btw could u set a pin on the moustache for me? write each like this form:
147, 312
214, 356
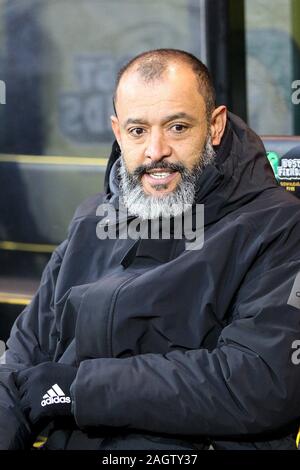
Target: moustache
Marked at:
140, 170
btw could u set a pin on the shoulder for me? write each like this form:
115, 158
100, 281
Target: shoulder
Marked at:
88, 207
275, 207
86, 213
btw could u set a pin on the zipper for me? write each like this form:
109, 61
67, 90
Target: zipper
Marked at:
111, 313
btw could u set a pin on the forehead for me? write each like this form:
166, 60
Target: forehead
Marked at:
176, 90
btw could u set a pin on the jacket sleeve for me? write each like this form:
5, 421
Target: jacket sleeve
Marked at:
247, 384
31, 342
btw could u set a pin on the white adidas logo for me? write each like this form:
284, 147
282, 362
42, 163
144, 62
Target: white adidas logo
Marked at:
55, 395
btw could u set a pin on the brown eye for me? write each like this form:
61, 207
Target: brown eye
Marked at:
178, 128
137, 131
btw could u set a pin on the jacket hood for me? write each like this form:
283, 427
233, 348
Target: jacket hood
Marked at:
241, 171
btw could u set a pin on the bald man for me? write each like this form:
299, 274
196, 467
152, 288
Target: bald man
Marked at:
135, 341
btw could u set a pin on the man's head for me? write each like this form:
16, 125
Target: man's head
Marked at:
166, 125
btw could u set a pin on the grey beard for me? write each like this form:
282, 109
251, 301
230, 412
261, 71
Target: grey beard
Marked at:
146, 206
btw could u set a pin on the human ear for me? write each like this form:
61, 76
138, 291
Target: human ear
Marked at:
218, 124
116, 128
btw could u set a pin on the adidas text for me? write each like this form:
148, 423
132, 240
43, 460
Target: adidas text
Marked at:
52, 401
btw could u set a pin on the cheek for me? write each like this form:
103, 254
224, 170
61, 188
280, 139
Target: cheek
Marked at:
189, 153
132, 156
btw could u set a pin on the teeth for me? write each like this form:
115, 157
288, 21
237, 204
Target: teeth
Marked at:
159, 175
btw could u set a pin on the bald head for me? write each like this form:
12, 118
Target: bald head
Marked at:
154, 65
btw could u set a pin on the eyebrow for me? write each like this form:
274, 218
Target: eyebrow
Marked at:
169, 118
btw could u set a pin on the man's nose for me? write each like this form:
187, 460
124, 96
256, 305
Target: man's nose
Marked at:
157, 146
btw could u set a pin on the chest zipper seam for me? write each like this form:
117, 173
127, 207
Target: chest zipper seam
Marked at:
110, 316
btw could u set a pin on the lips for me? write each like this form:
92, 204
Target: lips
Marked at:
160, 176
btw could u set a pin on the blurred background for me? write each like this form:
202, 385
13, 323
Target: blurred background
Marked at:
58, 62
